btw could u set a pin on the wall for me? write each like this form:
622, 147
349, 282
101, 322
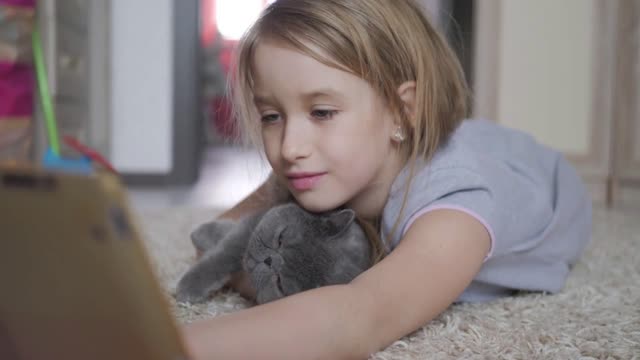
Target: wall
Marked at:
548, 68
545, 72
142, 85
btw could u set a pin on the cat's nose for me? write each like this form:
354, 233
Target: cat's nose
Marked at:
268, 261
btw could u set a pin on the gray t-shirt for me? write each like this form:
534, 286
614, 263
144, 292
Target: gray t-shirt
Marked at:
531, 200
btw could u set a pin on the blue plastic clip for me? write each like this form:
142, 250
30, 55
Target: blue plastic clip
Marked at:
80, 165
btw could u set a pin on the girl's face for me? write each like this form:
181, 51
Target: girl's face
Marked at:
326, 132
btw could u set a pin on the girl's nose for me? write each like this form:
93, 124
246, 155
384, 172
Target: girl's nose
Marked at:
296, 143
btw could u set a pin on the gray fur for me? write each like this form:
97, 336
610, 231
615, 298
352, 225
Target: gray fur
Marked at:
284, 250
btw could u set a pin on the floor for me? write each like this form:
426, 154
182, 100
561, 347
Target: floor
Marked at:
228, 174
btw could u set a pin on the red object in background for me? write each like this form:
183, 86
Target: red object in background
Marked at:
220, 108
88, 152
208, 21
16, 71
223, 118
16, 87
19, 3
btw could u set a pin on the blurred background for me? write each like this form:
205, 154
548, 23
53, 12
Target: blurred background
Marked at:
144, 82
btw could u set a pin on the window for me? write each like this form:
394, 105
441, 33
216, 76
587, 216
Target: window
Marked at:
229, 18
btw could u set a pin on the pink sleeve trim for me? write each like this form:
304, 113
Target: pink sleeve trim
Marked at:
427, 209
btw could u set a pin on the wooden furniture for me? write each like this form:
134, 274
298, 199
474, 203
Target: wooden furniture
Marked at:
567, 72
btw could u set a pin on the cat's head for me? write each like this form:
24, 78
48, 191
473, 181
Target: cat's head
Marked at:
292, 250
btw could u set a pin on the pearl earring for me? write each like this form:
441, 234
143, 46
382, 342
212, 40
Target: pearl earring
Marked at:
398, 135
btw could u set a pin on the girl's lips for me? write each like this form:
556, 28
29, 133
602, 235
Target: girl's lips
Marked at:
302, 182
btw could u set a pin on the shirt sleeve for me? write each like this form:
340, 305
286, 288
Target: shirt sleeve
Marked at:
454, 188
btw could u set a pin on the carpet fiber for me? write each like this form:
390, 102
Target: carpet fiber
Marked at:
596, 316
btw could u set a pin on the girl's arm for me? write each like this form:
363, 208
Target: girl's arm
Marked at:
437, 258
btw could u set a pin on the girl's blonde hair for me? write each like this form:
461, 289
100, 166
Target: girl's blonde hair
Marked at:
384, 42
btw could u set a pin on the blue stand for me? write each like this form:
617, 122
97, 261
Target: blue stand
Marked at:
81, 165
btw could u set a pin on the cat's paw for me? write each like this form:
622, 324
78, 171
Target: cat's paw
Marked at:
194, 288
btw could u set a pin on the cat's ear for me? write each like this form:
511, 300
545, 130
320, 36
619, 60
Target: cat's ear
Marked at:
341, 219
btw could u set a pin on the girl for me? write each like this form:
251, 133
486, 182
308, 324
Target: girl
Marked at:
360, 103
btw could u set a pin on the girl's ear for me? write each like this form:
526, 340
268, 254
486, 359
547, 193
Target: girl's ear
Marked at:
407, 93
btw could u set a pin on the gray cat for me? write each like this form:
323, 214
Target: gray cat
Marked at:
284, 250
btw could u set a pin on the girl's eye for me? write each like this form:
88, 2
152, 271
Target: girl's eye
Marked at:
269, 118
323, 114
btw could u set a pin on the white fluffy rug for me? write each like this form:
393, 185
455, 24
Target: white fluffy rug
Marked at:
597, 316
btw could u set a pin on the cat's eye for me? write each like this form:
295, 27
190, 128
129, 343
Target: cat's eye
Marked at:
280, 235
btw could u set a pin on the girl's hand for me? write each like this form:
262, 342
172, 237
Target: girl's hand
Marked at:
193, 342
